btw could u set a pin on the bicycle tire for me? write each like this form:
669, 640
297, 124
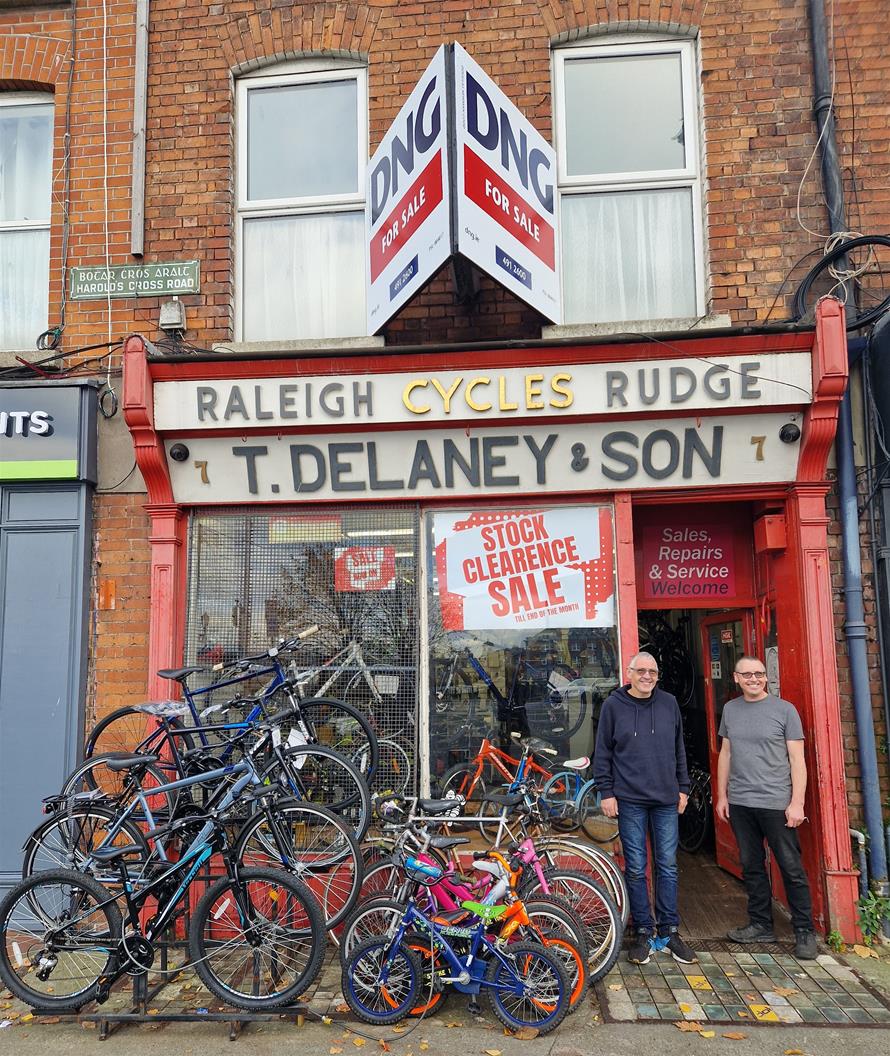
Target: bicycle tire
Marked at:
802, 308
394, 773
594, 861
553, 1003
123, 724
93, 776
459, 780
556, 720
559, 794
371, 920
371, 1002
352, 735
66, 839
218, 910
19, 939
333, 782
696, 820
322, 852
593, 822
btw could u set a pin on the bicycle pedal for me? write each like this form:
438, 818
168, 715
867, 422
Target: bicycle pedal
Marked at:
474, 1008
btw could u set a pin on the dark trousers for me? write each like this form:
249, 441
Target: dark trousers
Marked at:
751, 826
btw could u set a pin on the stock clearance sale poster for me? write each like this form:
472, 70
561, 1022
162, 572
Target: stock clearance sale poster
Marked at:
528, 569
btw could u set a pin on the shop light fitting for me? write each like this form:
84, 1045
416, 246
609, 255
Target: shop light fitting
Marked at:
371, 532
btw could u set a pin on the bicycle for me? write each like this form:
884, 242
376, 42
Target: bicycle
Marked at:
318, 719
579, 803
670, 648
255, 937
525, 983
697, 819
536, 700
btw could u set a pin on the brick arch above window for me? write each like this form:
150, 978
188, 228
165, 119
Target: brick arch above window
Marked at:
566, 20
345, 30
32, 63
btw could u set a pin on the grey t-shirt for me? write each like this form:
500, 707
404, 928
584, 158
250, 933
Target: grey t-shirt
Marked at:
759, 768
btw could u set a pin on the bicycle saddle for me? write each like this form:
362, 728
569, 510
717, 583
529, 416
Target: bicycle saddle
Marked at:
440, 806
127, 762
177, 674
111, 853
581, 763
442, 843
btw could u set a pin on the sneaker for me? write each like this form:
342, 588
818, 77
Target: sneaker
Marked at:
679, 950
805, 948
639, 950
752, 933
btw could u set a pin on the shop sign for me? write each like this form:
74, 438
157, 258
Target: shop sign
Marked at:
691, 560
408, 215
571, 457
361, 568
47, 432
484, 394
171, 278
506, 177
529, 569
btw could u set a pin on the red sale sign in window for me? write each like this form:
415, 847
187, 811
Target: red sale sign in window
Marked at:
364, 568
534, 568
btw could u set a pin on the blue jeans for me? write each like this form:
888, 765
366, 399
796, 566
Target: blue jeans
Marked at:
661, 823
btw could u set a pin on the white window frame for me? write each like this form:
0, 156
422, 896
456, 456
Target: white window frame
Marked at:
688, 177
11, 99
297, 73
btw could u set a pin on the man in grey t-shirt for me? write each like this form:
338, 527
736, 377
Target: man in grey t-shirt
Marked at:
761, 781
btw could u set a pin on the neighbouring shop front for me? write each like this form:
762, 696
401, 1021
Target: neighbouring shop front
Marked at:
47, 475
483, 538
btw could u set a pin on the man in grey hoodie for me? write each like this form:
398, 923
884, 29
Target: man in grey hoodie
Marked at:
640, 771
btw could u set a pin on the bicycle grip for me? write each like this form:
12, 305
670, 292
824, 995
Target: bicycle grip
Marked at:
309, 631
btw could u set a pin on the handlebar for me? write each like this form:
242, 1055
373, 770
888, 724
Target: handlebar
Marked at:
284, 645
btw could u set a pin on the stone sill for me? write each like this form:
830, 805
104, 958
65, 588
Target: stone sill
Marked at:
638, 326
312, 347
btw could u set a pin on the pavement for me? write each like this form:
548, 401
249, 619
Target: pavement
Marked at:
327, 1030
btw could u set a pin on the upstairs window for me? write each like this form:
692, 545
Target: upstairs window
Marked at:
302, 155
629, 180
26, 147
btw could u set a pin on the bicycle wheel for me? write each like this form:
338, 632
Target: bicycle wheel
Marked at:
257, 942
527, 987
593, 862
93, 775
597, 911
431, 999
372, 919
559, 795
394, 771
320, 775
340, 726
696, 820
314, 844
67, 839
461, 780
594, 824
556, 715
381, 987
60, 933
124, 730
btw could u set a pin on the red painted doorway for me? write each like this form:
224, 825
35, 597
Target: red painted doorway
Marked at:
724, 638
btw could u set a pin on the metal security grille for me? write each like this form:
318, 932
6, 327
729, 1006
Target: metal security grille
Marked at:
256, 576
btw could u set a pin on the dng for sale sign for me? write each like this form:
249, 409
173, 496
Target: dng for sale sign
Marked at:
505, 178
408, 211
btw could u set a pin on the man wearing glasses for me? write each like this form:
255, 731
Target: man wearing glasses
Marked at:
761, 780
640, 771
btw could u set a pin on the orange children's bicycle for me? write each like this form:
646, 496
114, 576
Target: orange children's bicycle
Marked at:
472, 779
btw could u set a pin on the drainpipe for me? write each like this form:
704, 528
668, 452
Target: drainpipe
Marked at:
854, 627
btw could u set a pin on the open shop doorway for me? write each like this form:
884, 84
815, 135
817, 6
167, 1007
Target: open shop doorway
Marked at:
696, 651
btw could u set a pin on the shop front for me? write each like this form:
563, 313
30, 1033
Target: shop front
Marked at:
484, 536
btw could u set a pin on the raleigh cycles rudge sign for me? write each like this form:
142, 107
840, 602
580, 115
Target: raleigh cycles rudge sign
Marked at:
135, 280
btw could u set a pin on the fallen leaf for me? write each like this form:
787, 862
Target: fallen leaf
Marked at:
743, 1015
451, 1026
342, 1007
734, 1035
358, 1042
794, 1052
684, 1008
863, 951
785, 991
706, 1033
688, 1026
50, 1019
399, 1028
730, 975
749, 997
615, 986
383, 1045
153, 1011
335, 1050
423, 1046
29, 1015
526, 1033
492, 1052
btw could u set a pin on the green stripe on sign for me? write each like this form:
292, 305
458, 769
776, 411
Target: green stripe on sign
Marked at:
40, 469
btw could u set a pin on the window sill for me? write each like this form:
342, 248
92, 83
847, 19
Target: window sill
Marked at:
715, 321
311, 347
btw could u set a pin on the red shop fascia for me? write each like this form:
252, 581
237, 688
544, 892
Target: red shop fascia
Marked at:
737, 438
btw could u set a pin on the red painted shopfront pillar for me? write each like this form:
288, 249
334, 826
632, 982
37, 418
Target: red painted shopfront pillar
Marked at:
168, 521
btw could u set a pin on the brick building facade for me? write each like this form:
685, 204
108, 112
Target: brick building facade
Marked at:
756, 193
